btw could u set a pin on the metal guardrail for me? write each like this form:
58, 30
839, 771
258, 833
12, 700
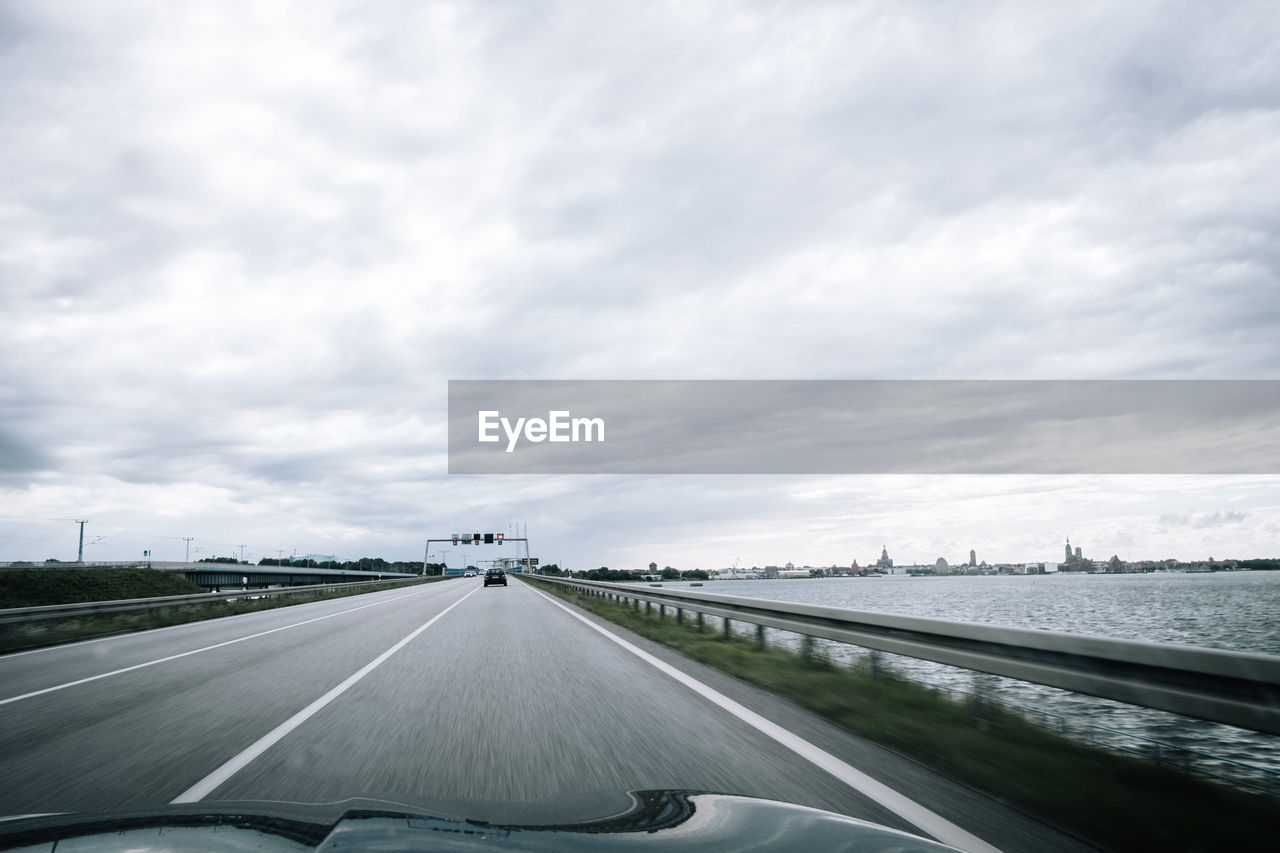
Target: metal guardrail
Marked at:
213, 568
15, 615
1236, 688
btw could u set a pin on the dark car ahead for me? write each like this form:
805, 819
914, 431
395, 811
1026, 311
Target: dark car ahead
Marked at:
493, 576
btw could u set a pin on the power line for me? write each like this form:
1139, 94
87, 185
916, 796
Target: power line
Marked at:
33, 518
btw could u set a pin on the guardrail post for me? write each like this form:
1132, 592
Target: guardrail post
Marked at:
985, 686
875, 661
807, 648
648, 608
760, 637
662, 612
727, 632
701, 624
679, 615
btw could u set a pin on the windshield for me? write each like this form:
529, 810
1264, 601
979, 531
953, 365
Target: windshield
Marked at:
462, 300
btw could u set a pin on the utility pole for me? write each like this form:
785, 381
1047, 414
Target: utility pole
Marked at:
188, 539
242, 553
82, 522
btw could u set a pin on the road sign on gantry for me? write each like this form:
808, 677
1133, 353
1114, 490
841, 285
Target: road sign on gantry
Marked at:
479, 538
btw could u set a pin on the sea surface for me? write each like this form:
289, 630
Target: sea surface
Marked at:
1222, 610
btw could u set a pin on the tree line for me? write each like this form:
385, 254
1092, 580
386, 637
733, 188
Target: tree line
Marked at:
364, 564
604, 573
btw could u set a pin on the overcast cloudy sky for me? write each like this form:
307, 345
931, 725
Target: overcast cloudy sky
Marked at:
244, 247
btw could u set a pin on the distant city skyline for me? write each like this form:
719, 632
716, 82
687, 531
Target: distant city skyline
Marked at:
886, 560
104, 540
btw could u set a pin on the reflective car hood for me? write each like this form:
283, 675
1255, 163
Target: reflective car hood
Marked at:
654, 820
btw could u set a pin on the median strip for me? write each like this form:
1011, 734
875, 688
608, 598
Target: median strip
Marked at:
168, 658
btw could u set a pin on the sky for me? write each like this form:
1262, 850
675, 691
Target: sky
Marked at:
244, 248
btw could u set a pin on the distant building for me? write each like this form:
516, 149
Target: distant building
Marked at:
653, 568
884, 562
1074, 560
973, 558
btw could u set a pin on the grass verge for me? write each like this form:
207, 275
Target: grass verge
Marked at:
20, 636
1113, 801
42, 587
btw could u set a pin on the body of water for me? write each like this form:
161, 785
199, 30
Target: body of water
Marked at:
1223, 610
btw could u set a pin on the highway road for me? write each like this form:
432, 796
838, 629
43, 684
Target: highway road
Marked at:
501, 699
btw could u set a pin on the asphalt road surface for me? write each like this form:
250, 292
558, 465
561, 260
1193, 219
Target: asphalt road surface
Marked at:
484, 696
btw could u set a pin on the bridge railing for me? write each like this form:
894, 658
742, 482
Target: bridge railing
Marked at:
1232, 687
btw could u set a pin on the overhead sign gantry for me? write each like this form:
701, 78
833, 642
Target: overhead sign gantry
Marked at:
521, 543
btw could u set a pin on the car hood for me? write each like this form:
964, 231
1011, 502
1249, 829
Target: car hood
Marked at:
651, 820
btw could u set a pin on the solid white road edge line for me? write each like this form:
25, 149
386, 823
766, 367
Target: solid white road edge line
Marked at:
928, 821
146, 664
205, 786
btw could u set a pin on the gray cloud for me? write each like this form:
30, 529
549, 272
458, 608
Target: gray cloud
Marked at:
19, 458
242, 254
1218, 518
